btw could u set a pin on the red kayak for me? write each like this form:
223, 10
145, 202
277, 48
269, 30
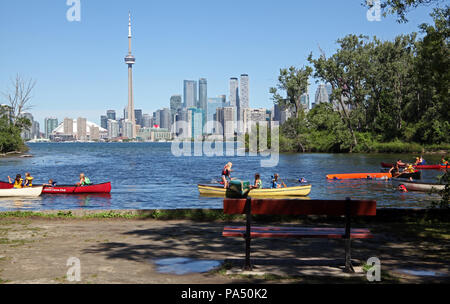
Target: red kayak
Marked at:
431, 167
69, 189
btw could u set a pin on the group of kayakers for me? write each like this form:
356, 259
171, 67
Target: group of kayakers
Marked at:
276, 181
19, 182
395, 170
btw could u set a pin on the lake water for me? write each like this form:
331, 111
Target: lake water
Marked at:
149, 176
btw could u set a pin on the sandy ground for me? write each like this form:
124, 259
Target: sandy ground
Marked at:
125, 250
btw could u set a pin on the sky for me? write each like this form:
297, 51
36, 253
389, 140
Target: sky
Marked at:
79, 66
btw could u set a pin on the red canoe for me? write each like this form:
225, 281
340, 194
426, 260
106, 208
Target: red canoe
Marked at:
432, 167
69, 189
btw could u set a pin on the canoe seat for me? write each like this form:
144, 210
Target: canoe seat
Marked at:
251, 206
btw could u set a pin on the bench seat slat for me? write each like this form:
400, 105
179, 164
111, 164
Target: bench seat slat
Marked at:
295, 232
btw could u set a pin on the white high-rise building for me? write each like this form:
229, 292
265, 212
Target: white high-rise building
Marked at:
113, 128
243, 101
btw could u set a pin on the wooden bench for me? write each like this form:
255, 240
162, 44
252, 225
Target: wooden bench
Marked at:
348, 208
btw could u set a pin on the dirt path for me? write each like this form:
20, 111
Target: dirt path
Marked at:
124, 251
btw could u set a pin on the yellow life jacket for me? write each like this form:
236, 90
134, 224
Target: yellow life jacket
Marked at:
30, 181
18, 184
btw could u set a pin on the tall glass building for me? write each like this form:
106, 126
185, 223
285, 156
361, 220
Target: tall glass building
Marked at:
190, 94
51, 123
111, 114
213, 105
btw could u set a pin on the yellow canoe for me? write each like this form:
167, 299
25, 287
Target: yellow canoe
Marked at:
220, 191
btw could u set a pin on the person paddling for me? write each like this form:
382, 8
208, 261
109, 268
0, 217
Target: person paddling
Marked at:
258, 182
395, 171
84, 180
28, 180
277, 183
226, 174
51, 183
18, 182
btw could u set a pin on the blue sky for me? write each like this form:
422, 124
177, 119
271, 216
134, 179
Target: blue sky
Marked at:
79, 66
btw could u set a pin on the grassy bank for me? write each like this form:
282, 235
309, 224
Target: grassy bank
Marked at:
383, 215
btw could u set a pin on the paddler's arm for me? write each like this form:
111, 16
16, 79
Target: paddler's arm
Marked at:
9, 178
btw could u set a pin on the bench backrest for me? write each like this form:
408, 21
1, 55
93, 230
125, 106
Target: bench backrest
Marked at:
301, 207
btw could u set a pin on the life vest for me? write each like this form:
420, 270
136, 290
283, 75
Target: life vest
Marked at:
18, 184
259, 184
86, 181
402, 188
226, 172
29, 181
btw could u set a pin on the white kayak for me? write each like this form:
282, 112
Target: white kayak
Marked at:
22, 192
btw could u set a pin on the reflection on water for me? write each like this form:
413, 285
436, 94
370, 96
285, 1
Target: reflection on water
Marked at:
148, 176
182, 266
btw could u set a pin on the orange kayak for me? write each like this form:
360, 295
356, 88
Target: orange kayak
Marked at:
359, 175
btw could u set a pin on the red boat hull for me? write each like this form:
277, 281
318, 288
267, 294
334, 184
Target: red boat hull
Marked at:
100, 188
4, 185
431, 167
63, 189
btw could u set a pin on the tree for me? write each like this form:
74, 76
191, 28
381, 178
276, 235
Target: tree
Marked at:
346, 72
401, 7
294, 82
18, 96
12, 122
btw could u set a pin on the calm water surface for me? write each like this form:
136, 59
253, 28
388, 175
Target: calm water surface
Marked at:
148, 176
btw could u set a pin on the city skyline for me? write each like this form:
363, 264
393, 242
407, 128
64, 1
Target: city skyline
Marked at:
65, 89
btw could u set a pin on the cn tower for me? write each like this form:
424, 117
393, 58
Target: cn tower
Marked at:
130, 60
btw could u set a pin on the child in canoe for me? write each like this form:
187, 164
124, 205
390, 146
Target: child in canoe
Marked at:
258, 182
84, 180
277, 182
28, 180
18, 181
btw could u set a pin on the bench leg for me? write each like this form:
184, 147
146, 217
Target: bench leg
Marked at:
348, 257
247, 265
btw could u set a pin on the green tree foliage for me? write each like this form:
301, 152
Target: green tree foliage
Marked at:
382, 92
294, 83
10, 139
401, 7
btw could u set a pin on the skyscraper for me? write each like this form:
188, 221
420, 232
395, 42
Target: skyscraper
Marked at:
243, 100
234, 92
81, 128
111, 114
190, 93
225, 117
113, 128
130, 60
68, 126
321, 95
175, 104
51, 123
165, 121
138, 117
104, 121
203, 97
213, 105
304, 101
